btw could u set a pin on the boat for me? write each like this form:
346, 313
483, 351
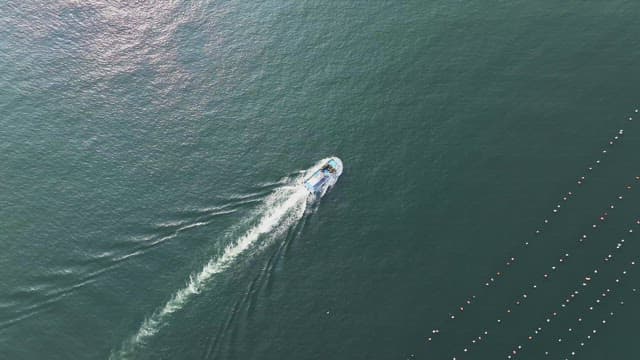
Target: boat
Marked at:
323, 176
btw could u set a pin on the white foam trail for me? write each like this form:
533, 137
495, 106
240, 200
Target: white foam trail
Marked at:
280, 210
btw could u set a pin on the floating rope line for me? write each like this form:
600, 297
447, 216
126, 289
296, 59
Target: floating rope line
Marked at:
520, 301
546, 277
599, 325
538, 232
605, 294
511, 260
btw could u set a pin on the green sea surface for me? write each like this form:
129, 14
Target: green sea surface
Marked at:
150, 156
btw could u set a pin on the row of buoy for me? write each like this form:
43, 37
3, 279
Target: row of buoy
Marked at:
583, 341
584, 282
556, 210
546, 276
511, 260
602, 218
604, 294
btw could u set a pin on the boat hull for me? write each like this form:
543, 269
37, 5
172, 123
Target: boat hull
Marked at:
323, 176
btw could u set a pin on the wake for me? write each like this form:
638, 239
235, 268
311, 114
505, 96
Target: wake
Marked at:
282, 209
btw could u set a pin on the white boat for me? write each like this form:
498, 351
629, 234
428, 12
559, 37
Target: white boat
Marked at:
323, 176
